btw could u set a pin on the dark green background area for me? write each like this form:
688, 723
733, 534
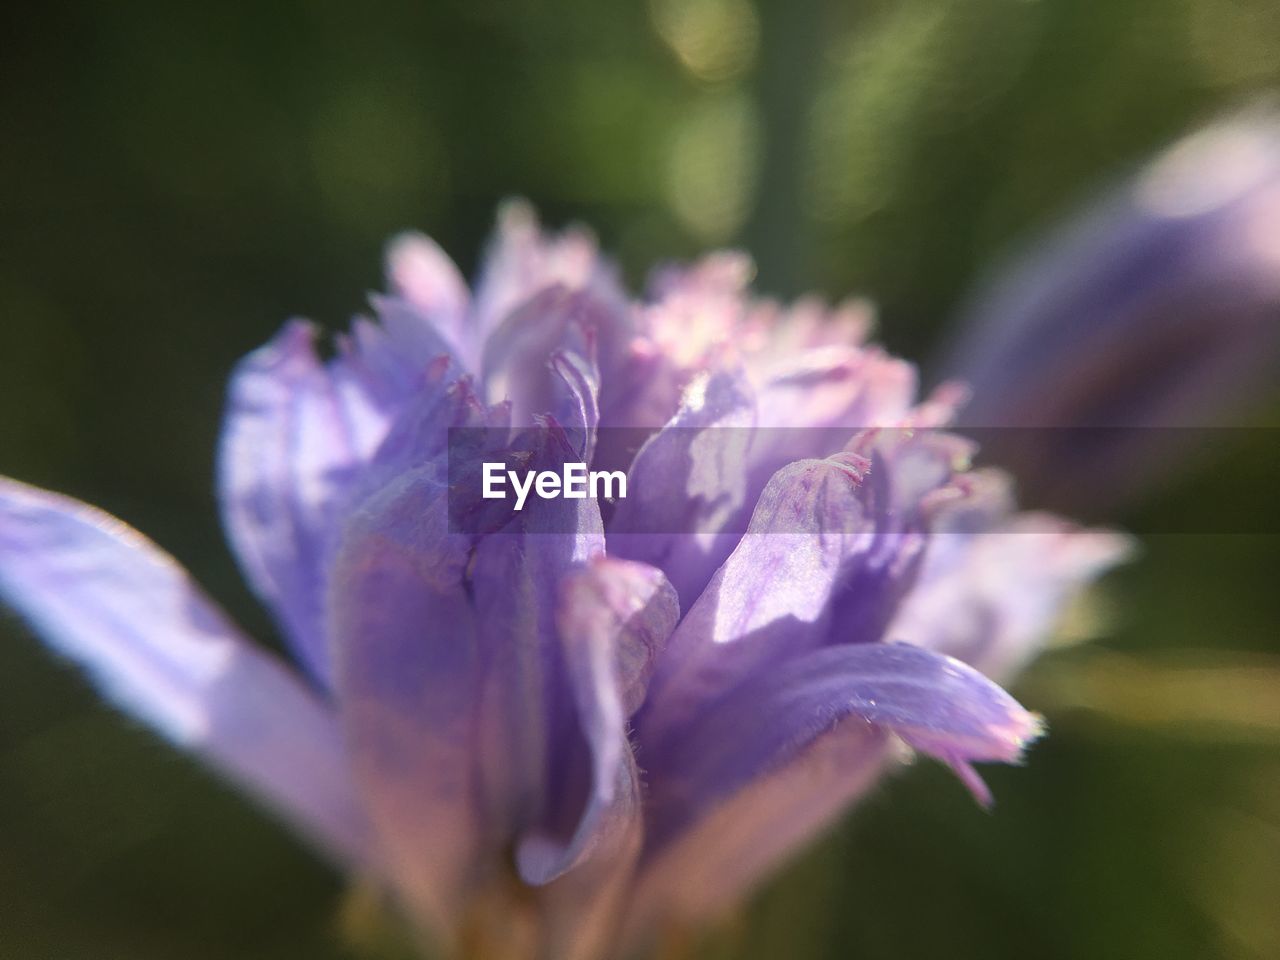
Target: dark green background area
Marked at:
175, 182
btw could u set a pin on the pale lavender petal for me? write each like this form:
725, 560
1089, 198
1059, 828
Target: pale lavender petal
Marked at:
106, 597
833, 548
412, 333
523, 261
577, 398
410, 665
528, 717
374, 366
811, 531
294, 437
692, 326
992, 596
688, 483
697, 311
715, 863
419, 438
627, 609
808, 407
813, 403
302, 438
408, 678
785, 754
515, 635
810, 323
723, 276
425, 278
545, 359
613, 619
935, 704
836, 387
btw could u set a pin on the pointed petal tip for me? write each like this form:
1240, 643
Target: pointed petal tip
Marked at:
1023, 730
419, 270
853, 465
956, 714
973, 781
517, 213
102, 595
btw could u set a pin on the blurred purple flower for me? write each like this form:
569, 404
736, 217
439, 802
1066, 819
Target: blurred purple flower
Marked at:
561, 735
1114, 349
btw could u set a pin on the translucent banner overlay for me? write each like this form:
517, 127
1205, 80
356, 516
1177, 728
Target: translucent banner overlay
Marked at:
708, 480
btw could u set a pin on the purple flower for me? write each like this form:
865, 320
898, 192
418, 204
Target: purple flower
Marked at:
1157, 310
553, 735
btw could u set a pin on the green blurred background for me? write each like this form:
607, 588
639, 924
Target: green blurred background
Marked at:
174, 182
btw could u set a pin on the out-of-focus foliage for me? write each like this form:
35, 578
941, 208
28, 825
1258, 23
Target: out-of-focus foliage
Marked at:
177, 179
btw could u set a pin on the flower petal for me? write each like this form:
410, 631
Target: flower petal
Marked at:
404, 636
406, 641
810, 533
411, 333
810, 323
425, 278
578, 399
624, 609
700, 313
528, 716
813, 402
522, 261
745, 766
990, 597
1155, 310
543, 359
715, 862
109, 599
688, 483
613, 618
293, 439
728, 441
301, 438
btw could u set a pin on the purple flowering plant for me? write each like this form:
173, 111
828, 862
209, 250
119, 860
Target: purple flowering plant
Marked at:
561, 731
1138, 329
